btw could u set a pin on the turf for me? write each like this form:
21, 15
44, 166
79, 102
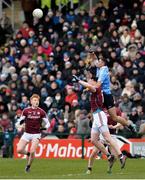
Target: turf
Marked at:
70, 169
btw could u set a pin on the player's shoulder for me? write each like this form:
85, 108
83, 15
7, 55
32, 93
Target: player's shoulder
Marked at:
27, 108
41, 110
104, 68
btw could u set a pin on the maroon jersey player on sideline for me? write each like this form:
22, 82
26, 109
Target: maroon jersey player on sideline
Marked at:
32, 117
100, 122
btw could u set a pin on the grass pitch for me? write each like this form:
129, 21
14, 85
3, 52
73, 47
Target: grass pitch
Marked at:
70, 169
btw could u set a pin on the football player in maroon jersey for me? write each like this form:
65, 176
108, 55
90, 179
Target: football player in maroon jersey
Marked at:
32, 117
112, 128
100, 120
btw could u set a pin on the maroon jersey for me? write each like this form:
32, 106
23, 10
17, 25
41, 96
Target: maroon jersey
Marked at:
96, 100
33, 118
111, 122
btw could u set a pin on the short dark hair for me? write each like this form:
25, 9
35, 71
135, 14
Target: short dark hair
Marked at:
103, 59
93, 73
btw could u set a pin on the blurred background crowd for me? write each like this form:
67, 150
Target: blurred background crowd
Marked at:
42, 55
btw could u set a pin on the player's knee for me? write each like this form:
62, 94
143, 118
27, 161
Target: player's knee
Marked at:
32, 152
19, 150
94, 141
107, 139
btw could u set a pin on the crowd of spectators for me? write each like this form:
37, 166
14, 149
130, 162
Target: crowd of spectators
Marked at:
42, 59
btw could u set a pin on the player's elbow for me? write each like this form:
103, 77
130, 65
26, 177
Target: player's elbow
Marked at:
98, 84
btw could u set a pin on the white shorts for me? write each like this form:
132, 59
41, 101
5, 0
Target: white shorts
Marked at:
29, 137
100, 122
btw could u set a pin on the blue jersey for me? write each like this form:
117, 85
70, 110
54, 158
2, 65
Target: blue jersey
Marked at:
104, 77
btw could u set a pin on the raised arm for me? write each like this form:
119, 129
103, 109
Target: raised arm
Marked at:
85, 84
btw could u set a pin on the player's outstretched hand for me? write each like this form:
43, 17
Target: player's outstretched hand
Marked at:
75, 78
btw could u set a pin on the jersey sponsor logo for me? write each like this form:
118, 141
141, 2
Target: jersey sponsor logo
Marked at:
33, 116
